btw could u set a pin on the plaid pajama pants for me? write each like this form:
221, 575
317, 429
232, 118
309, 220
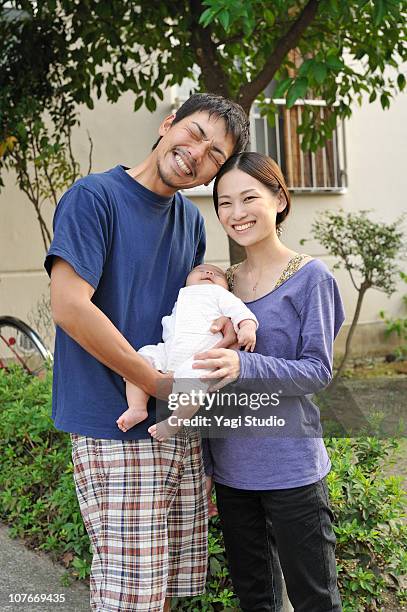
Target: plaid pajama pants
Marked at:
143, 503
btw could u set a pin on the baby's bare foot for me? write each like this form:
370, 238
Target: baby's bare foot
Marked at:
131, 417
163, 430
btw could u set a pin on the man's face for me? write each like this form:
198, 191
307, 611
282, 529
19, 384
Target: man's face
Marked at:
191, 152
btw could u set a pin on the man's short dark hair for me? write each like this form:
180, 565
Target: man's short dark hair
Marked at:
236, 120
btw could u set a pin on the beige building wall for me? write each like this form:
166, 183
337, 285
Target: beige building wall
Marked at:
376, 153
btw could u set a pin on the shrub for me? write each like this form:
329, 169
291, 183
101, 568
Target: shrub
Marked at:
371, 535
37, 498
367, 249
398, 325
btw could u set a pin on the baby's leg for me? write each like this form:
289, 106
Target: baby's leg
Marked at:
137, 407
137, 398
186, 380
169, 427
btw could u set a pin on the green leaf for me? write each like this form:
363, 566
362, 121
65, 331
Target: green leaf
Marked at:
372, 96
297, 90
320, 72
214, 565
151, 104
401, 81
137, 104
206, 17
248, 26
282, 87
224, 18
378, 11
269, 17
384, 101
334, 63
306, 67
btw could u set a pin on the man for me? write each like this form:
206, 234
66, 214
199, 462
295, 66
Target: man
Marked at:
124, 243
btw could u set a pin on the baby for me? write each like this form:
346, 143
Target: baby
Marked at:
186, 332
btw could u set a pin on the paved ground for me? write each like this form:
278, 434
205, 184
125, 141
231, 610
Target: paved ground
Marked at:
26, 571
365, 407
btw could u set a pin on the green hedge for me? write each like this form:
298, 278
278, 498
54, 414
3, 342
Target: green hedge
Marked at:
37, 500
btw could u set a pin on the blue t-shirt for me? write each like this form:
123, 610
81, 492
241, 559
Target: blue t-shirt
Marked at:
136, 249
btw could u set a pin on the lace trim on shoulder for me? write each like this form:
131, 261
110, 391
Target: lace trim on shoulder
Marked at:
291, 268
230, 276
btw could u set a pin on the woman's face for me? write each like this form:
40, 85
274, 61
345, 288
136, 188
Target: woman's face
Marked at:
247, 209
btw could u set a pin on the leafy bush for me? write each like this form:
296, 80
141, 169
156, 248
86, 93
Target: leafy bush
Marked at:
398, 326
219, 590
367, 249
37, 498
371, 536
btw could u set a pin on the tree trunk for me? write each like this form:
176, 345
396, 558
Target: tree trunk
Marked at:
364, 287
216, 81
236, 252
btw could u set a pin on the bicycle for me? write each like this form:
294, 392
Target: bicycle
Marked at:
21, 345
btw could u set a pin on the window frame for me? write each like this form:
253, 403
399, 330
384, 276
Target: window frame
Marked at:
339, 148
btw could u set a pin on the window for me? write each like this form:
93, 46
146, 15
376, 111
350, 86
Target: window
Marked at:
323, 171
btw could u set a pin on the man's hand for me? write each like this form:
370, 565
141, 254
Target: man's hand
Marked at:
163, 385
225, 326
212, 509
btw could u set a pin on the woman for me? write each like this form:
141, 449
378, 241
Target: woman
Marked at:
271, 491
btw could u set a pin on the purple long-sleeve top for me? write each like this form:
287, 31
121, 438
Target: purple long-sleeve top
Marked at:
298, 323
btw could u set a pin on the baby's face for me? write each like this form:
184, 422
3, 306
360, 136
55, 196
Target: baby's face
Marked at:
206, 274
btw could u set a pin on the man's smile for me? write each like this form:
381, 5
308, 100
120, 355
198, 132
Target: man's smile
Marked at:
183, 163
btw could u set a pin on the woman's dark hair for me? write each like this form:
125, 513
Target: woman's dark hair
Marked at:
236, 120
262, 168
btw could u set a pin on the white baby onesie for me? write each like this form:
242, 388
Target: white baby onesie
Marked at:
186, 331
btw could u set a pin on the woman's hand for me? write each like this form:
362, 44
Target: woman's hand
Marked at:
225, 364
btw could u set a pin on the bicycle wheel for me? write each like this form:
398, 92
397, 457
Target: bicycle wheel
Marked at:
21, 345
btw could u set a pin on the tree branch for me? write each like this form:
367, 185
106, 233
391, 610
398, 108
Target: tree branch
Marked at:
239, 36
206, 53
45, 234
37, 180
25, 184
226, 41
249, 92
68, 134
352, 279
50, 183
90, 152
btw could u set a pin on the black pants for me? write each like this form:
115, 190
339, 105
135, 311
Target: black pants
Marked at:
293, 527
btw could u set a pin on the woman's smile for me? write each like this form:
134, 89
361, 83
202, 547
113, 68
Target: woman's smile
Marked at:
243, 227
